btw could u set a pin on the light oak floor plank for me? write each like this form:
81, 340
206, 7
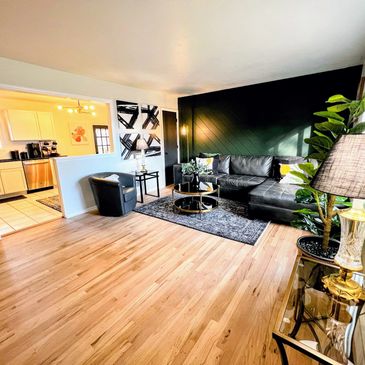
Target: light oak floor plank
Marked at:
139, 290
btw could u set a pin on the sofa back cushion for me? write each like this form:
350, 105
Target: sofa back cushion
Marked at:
252, 165
223, 164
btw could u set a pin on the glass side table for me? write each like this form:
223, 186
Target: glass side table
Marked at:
327, 330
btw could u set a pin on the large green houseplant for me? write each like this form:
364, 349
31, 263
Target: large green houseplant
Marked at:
342, 117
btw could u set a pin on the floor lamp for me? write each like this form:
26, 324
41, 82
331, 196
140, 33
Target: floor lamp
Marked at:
185, 132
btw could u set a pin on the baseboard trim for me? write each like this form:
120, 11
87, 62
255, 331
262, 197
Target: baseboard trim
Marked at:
83, 211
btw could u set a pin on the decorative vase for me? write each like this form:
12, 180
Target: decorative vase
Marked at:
195, 179
312, 246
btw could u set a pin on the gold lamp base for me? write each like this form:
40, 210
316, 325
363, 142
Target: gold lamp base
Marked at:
341, 285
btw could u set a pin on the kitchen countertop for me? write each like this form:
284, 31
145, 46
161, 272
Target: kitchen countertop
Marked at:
29, 159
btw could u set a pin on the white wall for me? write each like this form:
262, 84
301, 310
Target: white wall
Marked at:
72, 171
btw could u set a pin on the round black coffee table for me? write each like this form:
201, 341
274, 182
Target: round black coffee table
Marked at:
196, 200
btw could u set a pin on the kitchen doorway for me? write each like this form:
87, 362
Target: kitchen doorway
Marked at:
36, 128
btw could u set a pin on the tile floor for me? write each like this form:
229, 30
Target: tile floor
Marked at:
23, 213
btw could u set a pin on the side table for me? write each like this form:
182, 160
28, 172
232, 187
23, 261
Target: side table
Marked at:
142, 177
324, 328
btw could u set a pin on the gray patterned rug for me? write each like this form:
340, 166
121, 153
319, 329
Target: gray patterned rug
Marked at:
229, 220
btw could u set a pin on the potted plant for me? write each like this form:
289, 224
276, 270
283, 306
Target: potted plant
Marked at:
195, 169
324, 222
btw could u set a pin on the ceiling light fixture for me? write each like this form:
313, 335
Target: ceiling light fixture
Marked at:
86, 109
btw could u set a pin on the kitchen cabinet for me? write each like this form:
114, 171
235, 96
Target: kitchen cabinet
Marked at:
26, 125
46, 125
12, 178
1, 188
23, 125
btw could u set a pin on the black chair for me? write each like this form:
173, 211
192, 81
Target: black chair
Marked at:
114, 198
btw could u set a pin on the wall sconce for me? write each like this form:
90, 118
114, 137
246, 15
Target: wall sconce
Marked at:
185, 132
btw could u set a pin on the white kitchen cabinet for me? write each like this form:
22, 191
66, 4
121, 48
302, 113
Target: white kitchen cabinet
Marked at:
13, 180
1, 188
23, 125
46, 125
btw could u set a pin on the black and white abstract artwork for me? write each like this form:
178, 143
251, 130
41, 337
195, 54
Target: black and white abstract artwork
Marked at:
138, 121
151, 128
128, 143
128, 114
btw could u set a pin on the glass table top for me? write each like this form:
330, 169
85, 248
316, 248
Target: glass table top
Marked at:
334, 328
204, 188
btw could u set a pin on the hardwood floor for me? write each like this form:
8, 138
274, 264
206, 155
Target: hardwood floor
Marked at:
139, 290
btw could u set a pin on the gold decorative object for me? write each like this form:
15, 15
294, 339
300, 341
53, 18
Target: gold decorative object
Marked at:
343, 174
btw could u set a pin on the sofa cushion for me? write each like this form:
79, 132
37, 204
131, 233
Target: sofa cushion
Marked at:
223, 164
251, 165
273, 193
240, 181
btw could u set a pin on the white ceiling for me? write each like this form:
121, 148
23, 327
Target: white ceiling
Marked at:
185, 46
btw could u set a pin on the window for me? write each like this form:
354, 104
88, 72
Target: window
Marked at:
101, 138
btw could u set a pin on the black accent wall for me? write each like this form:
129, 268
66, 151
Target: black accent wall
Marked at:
270, 118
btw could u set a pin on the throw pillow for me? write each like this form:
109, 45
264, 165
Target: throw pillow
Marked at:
113, 177
206, 162
215, 161
290, 178
285, 169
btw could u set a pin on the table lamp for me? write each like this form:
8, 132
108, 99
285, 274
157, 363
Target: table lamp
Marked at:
343, 174
142, 145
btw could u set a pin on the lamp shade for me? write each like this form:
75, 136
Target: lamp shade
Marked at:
141, 144
343, 171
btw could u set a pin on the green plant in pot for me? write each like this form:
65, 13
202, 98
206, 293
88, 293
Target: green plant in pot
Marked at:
340, 118
195, 169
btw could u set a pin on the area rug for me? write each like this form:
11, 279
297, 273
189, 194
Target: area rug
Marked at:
228, 220
52, 202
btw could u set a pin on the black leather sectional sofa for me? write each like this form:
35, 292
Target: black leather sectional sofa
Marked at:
255, 181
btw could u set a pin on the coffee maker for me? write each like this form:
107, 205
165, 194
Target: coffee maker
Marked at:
34, 150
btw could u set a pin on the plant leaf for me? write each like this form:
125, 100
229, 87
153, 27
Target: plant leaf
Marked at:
332, 125
307, 211
308, 168
304, 196
338, 107
319, 156
328, 114
359, 128
301, 176
338, 98
322, 142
